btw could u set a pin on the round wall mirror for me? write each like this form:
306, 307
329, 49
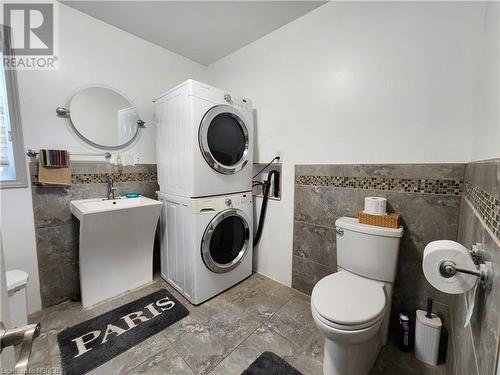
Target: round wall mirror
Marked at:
103, 118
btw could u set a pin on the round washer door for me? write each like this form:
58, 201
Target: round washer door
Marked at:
226, 241
223, 138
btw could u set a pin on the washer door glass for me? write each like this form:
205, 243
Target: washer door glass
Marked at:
225, 241
223, 138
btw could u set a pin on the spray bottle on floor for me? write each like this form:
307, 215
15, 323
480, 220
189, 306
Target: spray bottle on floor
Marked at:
404, 331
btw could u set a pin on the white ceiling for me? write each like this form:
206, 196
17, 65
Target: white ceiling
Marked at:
203, 31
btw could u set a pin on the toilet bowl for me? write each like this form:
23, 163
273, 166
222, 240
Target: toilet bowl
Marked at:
349, 310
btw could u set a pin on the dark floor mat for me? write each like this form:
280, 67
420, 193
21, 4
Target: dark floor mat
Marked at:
91, 343
270, 364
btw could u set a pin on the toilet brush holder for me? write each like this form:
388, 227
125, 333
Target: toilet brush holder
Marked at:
427, 337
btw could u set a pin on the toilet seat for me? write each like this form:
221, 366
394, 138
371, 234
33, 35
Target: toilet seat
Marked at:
348, 302
346, 328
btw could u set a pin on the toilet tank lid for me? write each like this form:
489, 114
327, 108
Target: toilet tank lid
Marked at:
352, 223
15, 279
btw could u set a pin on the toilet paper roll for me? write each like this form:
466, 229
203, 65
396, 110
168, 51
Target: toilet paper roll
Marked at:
438, 251
375, 205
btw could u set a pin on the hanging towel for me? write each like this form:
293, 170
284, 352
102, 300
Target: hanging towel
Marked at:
54, 158
53, 168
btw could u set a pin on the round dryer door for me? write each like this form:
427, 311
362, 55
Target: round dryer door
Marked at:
226, 241
223, 138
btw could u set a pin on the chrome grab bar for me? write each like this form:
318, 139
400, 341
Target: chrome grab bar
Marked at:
24, 336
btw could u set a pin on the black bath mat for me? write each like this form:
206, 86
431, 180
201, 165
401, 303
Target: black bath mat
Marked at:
91, 343
270, 364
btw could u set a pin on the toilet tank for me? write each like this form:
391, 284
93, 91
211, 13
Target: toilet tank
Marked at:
368, 250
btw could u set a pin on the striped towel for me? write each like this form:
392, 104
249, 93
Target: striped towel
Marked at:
54, 158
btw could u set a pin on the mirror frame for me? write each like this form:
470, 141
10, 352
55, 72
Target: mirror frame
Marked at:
67, 114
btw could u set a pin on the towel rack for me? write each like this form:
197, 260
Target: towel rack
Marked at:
33, 154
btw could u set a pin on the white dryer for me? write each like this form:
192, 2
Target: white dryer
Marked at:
206, 243
204, 141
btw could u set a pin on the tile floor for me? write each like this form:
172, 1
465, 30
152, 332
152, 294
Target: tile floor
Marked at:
221, 336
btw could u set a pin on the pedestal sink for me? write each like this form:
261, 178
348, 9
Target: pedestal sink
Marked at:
116, 245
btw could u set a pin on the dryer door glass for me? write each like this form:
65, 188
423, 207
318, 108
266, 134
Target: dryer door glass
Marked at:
226, 241
223, 138
226, 139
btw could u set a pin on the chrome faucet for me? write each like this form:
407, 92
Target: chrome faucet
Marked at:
111, 189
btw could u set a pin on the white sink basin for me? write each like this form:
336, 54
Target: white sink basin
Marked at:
116, 245
91, 206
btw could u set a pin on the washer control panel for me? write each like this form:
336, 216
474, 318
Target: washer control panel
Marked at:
216, 204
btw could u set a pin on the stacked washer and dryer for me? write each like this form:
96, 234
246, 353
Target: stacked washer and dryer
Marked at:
204, 151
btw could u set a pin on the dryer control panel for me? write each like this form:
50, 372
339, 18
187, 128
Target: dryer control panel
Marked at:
221, 202
238, 102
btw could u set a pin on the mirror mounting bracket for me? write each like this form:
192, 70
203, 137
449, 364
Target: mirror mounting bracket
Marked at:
62, 112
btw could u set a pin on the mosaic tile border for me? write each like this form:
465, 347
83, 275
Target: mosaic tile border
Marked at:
406, 185
486, 205
99, 178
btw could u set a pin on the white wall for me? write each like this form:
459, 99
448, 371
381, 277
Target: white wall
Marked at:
90, 52
487, 126
356, 83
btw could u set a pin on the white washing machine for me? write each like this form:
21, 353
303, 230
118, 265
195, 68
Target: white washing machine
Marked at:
206, 243
204, 141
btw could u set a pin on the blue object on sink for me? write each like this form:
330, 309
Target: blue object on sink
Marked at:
132, 195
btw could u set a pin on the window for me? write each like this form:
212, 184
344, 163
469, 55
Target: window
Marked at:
12, 162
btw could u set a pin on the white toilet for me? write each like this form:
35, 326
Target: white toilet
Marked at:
17, 297
352, 307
